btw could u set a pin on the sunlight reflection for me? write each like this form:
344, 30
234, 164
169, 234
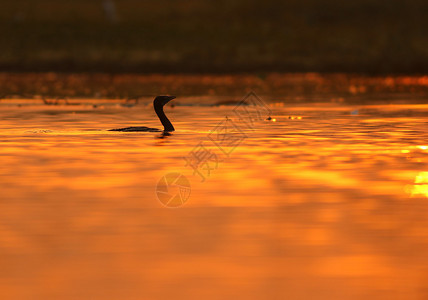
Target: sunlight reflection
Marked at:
420, 187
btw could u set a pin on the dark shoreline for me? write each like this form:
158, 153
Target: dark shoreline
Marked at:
419, 69
369, 37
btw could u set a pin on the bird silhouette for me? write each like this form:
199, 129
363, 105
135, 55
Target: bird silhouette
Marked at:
158, 105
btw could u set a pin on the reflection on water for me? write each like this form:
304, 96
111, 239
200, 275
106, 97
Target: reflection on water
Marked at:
420, 186
323, 203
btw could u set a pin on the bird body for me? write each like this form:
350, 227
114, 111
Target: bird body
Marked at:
136, 129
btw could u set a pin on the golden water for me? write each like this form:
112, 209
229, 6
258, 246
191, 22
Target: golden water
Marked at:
328, 202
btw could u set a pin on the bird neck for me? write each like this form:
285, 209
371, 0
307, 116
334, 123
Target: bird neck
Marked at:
167, 125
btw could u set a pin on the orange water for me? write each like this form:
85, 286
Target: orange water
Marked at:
328, 202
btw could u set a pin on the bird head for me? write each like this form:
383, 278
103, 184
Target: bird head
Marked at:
162, 100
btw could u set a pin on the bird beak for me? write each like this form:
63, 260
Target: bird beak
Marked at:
170, 98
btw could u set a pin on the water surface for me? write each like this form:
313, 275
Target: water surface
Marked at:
330, 201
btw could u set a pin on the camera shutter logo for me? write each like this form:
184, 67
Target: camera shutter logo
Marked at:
173, 190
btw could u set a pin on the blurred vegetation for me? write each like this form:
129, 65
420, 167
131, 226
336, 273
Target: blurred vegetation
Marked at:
291, 87
215, 36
